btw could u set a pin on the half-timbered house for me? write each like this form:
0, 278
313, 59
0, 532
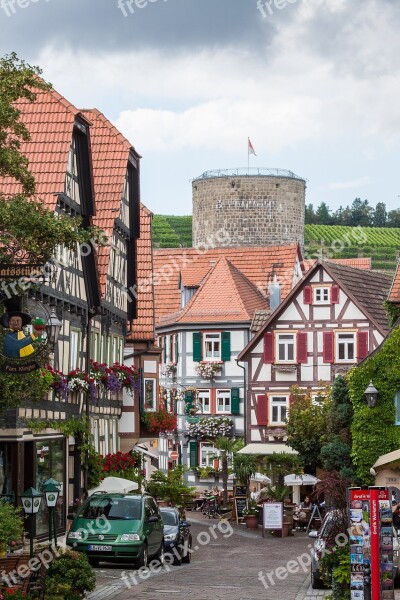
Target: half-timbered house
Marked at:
205, 304
333, 318
80, 170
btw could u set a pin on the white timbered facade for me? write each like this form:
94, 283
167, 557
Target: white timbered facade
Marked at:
330, 321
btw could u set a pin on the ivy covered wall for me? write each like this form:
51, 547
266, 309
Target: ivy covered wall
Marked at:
373, 430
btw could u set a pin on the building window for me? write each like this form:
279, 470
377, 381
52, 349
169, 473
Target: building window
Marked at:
114, 436
278, 408
73, 350
223, 401
345, 347
397, 407
207, 455
150, 394
106, 438
212, 346
204, 400
95, 433
322, 295
285, 347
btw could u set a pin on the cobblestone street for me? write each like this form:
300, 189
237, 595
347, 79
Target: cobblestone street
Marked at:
225, 568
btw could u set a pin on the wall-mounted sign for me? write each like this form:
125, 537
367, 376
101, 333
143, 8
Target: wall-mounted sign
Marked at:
29, 271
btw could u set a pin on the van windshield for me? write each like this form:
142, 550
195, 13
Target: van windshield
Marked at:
112, 509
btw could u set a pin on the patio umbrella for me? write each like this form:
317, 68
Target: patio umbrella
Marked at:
115, 485
260, 477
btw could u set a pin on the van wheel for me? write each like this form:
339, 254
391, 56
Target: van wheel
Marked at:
94, 562
143, 556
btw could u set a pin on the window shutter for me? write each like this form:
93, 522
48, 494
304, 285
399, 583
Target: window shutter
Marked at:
188, 400
226, 345
176, 347
193, 454
335, 294
362, 344
164, 343
328, 353
307, 295
302, 347
235, 401
179, 454
269, 348
262, 410
197, 347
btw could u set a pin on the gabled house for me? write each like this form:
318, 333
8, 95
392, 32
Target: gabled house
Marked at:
205, 305
333, 318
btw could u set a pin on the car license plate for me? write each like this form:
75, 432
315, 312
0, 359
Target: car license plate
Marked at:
99, 548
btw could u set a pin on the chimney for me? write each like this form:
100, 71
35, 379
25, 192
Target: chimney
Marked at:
274, 294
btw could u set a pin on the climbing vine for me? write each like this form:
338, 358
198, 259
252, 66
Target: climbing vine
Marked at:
373, 429
393, 311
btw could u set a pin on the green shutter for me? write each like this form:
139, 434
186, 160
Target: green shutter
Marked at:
188, 401
226, 345
179, 454
235, 401
176, 348
197, 347
193, 453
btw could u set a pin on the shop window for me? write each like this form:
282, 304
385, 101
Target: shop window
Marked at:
150, 394
49, 463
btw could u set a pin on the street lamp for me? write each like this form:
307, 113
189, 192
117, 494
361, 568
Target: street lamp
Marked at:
53, 327
51, 489
31, 500
371, 394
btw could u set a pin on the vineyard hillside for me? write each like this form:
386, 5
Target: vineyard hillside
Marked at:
331, 241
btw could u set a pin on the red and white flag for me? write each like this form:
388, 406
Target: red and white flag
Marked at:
250, 148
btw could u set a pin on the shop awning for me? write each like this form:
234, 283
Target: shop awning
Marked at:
292, 479
264, 449
387, 458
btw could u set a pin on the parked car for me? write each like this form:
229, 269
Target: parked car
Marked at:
177, 536
118, 528
321, 538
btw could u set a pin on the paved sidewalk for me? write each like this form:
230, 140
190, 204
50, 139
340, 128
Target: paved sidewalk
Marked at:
234, 564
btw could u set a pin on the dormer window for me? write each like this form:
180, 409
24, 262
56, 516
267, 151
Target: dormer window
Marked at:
321, 295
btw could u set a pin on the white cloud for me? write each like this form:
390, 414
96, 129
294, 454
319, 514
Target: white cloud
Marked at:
347, 185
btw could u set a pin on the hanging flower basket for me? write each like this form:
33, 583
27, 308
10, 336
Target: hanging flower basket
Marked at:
209, 369
211, 427
170, 369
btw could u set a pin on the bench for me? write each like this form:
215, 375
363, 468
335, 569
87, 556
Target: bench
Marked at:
33, 582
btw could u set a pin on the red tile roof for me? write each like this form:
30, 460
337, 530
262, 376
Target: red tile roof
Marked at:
357, 263
110, 153
224, 295
143, 326
190, 265
50, 121
394, 295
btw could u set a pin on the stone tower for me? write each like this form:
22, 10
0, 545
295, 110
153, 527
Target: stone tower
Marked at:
256, 207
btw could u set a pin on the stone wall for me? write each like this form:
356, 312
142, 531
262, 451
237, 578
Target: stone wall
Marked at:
248, 210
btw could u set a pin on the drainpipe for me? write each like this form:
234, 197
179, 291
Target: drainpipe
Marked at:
244, 401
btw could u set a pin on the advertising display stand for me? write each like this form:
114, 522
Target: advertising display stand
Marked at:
272, 517
371, 544
240, 493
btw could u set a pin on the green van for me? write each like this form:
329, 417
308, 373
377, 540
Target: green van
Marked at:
118, 528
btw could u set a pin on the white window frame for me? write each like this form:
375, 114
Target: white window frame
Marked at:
114, 436
280, 341
152, 408
114, 349
204, 398
281, 403
226, 397
207, 454
106, 438
95, 351
339, 341
74, 344
213, 353
95, 433
325, 295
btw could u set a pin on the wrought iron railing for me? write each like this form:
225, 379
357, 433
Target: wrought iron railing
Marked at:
251, 172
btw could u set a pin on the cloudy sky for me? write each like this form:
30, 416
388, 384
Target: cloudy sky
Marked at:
315, 84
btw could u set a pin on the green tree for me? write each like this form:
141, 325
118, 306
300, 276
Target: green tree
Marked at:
360, 213
393, 219
323, 215
226, 447
279, 464
380, 215
307, 427
245, 466
310, 217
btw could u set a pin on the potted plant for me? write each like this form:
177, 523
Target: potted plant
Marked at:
70, 576
11, 527
250, 515
208, 369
